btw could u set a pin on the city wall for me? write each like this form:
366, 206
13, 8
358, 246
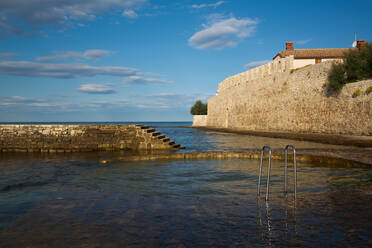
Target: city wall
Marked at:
200, 120
81, 138
275, 97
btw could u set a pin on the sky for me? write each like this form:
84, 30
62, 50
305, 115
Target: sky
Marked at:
147, 60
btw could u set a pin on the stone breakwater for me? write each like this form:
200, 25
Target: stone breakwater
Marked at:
81, 138
318, 156
287, 100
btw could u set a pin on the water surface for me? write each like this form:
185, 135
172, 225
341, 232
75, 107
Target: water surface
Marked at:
73, 201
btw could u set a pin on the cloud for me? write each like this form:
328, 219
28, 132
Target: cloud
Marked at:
302, 42
137, 79
129, 14
15, 14
7, 55
97, 89
63, 105
223, 33
33, 69
256, 63
168, 100
15, 100
204, 5
94, 54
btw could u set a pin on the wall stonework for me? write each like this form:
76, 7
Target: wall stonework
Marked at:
287, 100
76, 138
200, 121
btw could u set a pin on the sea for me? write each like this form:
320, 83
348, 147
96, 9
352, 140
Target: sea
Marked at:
72, 200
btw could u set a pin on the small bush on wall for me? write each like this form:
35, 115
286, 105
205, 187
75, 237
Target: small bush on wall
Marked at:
199, 108
357, 65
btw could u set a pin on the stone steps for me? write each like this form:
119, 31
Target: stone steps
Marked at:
161, 138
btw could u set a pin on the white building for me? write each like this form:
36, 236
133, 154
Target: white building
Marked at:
303, 57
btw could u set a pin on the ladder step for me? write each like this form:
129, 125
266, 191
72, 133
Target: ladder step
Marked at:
161, 136
166, 139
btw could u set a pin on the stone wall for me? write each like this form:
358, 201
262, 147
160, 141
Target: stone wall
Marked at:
200, 121
274, 69
292, 101
76, 138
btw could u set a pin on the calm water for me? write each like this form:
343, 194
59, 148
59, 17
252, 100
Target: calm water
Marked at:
70, 200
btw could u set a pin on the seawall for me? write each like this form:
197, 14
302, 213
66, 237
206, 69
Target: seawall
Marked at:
200, 120
81, 138
275, 97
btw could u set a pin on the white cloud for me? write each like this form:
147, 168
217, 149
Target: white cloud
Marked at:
223, 33
7, 55
58, 104
204, 5
137, 79
93, 54
33, 69
256, 63
15, 100
39, 13
97, 89
129, 14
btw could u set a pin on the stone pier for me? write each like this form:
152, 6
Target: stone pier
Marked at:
81, 138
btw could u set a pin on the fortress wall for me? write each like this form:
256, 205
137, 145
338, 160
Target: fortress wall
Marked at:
75, 138
271, 69
200, 120
291, 101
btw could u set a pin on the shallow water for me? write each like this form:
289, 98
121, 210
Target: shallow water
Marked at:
73, 201
70, 200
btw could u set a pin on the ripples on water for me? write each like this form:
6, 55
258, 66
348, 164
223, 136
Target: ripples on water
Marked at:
70, 200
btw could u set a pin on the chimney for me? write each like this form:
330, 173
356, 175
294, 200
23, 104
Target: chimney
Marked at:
289, 46
361, 44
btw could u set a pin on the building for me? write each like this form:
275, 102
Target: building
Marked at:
303, 57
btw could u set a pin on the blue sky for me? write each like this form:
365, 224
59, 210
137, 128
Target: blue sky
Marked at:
143, 60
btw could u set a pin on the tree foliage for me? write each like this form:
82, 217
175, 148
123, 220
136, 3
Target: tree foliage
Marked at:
357, 65
199, 108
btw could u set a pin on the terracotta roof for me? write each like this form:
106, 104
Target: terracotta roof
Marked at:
324, 53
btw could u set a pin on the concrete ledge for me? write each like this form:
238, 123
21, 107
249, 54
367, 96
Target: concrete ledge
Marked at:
334, 139
337, 158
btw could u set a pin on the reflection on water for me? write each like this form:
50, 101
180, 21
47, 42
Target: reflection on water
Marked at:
73, 201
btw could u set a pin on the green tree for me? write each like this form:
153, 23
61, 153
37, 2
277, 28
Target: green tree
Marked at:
199, 108
357, 65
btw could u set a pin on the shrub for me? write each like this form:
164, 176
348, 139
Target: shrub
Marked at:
199, 108
356, 93
336, 78
357, 66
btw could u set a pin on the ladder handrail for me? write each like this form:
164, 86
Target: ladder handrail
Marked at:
268, 171
294, 168
268, 148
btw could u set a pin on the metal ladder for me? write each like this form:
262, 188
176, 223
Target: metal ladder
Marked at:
285, 170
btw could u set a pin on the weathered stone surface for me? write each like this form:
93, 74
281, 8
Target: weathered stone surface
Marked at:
292, 101
75, 138
200, 120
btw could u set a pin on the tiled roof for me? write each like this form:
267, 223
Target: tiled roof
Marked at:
324, 53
